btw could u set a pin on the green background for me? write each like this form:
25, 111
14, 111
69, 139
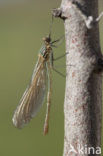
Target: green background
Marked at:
22, 26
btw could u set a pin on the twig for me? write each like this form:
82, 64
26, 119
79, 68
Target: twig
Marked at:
99, 17
89, 20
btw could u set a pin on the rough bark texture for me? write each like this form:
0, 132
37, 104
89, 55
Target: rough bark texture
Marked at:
83, 94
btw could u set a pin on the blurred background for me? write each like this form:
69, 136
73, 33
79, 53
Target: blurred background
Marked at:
23, 23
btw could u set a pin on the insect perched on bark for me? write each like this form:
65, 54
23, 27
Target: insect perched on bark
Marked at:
33, 96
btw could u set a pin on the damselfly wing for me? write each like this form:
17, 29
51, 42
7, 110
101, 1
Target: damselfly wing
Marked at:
33, 97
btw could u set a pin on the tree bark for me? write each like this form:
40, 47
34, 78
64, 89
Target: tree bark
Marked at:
83, 93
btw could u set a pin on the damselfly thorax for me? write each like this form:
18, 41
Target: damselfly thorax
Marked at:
46, 49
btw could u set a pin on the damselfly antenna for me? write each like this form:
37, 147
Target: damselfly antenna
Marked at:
47, 39
51, 25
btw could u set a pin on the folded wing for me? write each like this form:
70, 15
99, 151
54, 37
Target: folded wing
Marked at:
32, 98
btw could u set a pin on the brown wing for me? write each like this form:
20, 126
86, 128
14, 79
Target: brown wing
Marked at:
32, 98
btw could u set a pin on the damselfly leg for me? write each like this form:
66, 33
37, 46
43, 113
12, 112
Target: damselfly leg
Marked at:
58, 40
52, 44
55, 59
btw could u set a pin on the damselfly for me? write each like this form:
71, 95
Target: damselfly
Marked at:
33, 96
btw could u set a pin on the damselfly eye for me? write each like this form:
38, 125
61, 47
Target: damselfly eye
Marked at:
47, 39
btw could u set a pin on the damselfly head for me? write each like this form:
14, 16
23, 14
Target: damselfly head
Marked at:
47, 39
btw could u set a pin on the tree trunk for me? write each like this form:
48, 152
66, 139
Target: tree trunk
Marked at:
83, 93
